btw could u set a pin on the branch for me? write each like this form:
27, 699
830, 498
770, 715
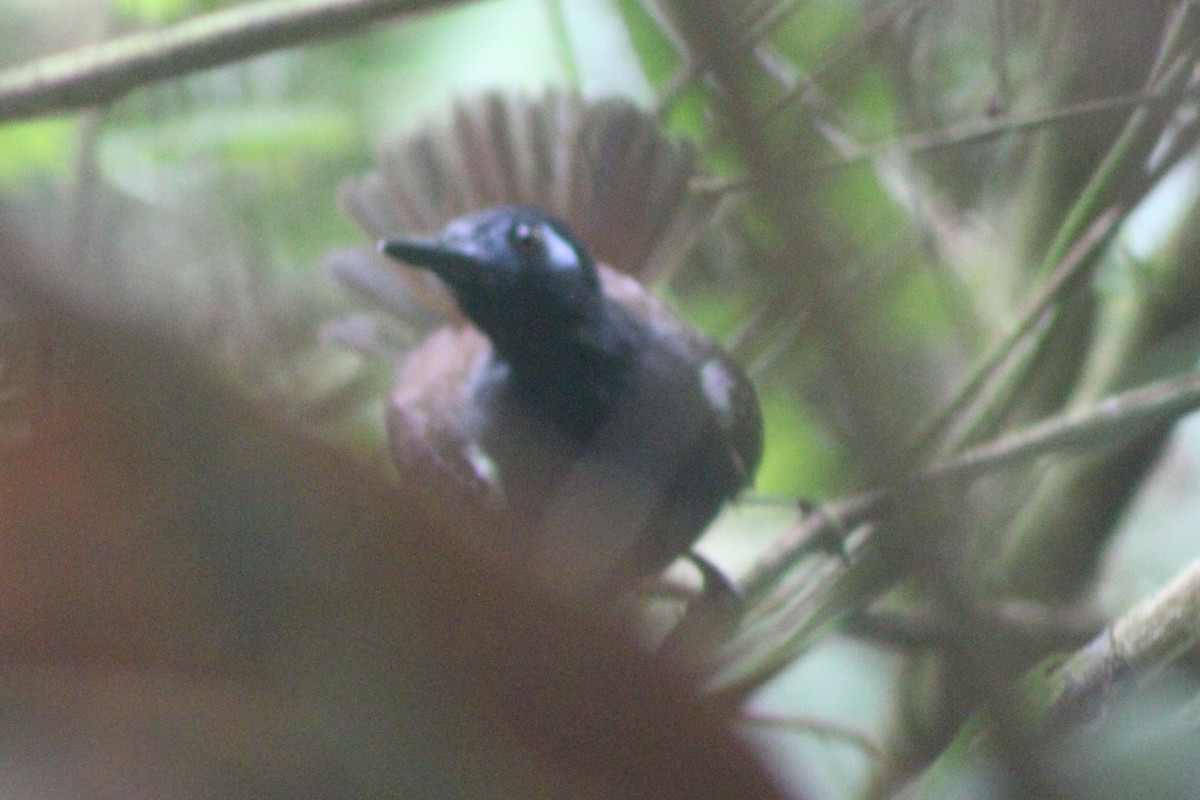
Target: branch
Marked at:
822, 728
101, 73
969, 132
1075, 266
1145, 639
1111, 420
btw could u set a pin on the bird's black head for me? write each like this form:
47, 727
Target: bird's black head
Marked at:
517, 273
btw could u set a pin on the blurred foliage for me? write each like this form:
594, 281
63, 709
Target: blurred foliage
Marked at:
862, 271
154, 12
36, 149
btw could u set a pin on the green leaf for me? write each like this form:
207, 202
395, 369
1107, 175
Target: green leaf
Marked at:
40, 147
152, 12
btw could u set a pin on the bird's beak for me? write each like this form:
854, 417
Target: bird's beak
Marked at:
454, 266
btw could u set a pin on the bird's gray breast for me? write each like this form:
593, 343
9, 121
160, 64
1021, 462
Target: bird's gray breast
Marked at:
524, 453
646, 482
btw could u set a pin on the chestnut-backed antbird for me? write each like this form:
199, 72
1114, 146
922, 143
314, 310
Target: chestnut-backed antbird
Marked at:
568, 399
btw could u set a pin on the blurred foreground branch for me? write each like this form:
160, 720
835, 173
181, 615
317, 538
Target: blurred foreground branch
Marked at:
104, 72
202, 600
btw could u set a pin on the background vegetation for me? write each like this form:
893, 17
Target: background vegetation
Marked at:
960, 262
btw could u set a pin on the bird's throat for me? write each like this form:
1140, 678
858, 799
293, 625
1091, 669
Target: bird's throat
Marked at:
570, 378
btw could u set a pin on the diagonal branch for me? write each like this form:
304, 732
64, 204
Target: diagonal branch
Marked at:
1075, 266
1109, 421
969, 132
1145, 639
103, 72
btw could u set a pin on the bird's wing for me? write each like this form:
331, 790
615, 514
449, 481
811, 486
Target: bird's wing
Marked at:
724, 384
428, 417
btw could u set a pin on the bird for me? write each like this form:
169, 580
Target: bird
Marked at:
615, 429
555, 391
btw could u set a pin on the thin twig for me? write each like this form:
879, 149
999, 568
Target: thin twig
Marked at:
1000, 57
970, 132
823, 728
694, 66
101, 73
1161, 83
1066, 275
1109, 421
1002, 389
853, 43
928, 628
556, 14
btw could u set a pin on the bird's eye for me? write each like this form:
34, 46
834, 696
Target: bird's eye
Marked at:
526, 239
